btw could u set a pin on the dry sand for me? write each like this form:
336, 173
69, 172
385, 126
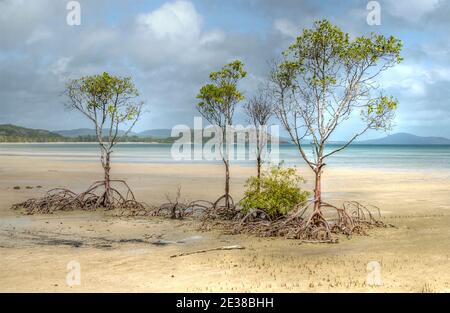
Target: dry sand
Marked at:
117, 254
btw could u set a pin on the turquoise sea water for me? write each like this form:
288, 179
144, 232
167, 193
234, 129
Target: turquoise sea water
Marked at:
411, 157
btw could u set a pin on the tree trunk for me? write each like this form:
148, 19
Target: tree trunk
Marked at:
258, 154
106, 166
317, 189
258, 167
258, 173
227, 184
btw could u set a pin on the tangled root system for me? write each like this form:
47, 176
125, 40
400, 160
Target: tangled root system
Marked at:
62, 199
304, 222
311, 225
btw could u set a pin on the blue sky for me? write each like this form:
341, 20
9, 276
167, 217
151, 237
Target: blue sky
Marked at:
169, 47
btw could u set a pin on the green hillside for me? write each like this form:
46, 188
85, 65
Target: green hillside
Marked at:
12, 133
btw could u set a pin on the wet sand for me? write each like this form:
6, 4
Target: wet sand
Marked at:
120, 254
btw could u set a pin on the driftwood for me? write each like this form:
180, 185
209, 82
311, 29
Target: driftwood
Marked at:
319, 241
237, 247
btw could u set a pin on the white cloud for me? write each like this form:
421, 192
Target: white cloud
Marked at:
174, 32
285, 27
410, 10
413, 79
176, 20
409, 79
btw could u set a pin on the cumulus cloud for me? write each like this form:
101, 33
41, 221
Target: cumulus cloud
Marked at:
411, 10
174, 33
177, 20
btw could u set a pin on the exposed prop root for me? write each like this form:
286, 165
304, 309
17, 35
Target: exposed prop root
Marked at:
304, 222
179, 210
219, 210
207, 211
174, 209
62, 199
310, 225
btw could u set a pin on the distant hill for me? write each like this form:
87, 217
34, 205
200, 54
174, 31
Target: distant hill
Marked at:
13, 133
155, 133
394, 139
406, 139
161, 135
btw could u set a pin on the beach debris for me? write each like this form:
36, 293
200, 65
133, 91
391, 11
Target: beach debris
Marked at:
16, 187
224, 248
334, 240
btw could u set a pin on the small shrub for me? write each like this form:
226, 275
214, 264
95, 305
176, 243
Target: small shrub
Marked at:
275, 193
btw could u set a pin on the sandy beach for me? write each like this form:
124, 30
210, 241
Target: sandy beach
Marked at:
118, 254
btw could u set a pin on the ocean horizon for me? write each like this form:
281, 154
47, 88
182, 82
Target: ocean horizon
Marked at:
404, 157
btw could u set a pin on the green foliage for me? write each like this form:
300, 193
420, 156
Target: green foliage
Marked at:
105, 93
379, 107
326, 40
276, 192
104, 87
325, 65
218, 98
109, 102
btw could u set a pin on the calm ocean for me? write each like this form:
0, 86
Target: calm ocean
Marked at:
410, 157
